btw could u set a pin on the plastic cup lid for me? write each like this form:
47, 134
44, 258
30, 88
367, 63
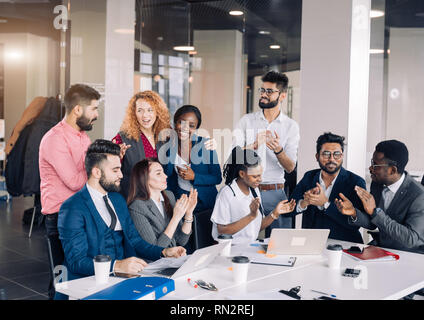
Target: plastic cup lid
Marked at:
334, 247
225, 236
102, 258
240, 259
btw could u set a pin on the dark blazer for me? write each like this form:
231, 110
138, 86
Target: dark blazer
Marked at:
132, 156
82, 232
150, 223
206, 168
331, 218
401, 226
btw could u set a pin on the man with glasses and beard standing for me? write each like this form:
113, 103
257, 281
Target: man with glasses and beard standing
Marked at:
61, 159
275, 137
316, 193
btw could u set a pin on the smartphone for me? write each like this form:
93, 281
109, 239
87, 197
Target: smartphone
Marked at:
355, 249
353, 273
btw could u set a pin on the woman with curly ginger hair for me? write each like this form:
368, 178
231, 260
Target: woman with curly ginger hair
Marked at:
147, 115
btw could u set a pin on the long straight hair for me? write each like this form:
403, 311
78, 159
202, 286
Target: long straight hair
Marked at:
139, 184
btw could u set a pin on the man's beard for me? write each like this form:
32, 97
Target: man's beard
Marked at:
84, 123
269, 105
325, 169
109, 186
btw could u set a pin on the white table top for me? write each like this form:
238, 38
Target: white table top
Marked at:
379, 280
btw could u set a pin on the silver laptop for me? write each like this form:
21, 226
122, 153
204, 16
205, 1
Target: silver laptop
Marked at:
200, 259
297, 241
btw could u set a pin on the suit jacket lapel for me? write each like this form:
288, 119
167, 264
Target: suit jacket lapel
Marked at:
100, 224
400, 195
337, 185
155, 211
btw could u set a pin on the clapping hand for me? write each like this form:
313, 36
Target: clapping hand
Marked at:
181, 206
192, 202
284, 207
272, 142
315, 196
367, 199
254, 207
345, 206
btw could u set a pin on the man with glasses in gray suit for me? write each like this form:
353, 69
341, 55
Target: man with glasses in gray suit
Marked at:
395, 204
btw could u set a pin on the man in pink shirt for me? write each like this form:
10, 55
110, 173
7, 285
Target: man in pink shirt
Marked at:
61, 159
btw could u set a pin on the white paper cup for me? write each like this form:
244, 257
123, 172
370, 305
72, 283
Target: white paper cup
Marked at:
226, 238
334, 254
102, 269
240, 269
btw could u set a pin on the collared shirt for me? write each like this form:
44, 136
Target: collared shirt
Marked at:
231, 207
100, 205
287, 129
61, 163
327, 191
159, 205
390, 191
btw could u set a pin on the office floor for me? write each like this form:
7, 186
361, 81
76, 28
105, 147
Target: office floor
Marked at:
24, 272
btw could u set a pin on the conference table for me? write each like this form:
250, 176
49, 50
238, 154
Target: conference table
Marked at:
383, 280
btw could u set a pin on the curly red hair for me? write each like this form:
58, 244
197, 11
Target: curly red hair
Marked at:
131, 127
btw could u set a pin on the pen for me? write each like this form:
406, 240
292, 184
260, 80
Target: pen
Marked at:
192, 283
327, 294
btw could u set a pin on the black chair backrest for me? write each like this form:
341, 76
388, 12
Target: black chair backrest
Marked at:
55, 253
202, 229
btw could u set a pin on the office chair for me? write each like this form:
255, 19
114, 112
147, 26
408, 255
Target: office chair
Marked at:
202, 229
56, 258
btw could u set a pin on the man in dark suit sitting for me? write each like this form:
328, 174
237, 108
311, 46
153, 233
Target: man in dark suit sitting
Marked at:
316, 192
96, 221
396, 203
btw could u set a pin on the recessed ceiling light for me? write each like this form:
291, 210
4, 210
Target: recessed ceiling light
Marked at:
236, 13
376, 13
184, 48
274, 46
125, 31
264, 32
376, 51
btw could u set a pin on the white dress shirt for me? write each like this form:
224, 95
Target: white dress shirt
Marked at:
229, 209
159, 205
390, 191
247, 130
100, 205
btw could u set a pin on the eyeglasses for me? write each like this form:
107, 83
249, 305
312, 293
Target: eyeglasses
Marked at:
373, 165
337, 155
267, 91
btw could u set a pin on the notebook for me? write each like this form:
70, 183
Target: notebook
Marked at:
373, 254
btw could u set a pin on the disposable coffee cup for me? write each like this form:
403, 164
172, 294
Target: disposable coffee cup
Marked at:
240, 269
225, 238
102, 269
334, 254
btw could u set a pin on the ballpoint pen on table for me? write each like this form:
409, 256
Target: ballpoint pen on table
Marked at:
324, 293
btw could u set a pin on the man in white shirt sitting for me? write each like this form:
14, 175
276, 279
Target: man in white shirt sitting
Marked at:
276, 138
